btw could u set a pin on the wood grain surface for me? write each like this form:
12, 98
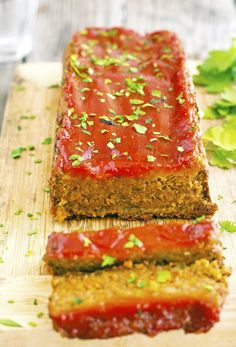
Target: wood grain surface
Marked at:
23, 276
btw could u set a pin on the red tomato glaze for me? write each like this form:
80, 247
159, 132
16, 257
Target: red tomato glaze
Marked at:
128, 105
153, 237
148, 318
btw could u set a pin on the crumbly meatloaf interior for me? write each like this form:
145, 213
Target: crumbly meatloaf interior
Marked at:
182, 194
114, 284
97, 305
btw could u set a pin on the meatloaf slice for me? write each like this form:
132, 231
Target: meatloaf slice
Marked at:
144, 299
91, 250
128, 141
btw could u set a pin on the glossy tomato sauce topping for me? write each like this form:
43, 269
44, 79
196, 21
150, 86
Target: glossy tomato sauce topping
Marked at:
127, 105
121, 245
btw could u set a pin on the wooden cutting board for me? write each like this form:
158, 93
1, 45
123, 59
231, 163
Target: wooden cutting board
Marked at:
30, 117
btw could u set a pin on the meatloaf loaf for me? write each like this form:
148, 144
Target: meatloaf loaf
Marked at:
146, 299
128, 141
161, 244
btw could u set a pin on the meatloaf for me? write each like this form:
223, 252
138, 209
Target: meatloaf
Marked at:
161, 244
146, 299
128, 141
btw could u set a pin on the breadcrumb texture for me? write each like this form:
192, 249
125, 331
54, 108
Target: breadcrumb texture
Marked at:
145, 299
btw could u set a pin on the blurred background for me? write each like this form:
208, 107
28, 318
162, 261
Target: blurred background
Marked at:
38, 30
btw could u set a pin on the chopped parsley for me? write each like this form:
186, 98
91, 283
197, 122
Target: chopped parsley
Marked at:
107, 260
76, 159
156, 93
228, 226
136, 101
18, 212
132, 278
180, 149
86, 241
133, 241
134, 86
46, 189
163, 276
16, 153
140, 129
32, 324
199, 219
141, 284
47, 141
151, 158
9, 323
40, 314
76, 301
180, 98
37, 161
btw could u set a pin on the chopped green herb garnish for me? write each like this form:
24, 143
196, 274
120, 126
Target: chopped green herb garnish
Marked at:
40, 314
29, 117
53, 86
46, 189
29, 253
180, 149
1, 225
220, 197
133, 241
141, 283
208, 287
107, 81
163, 276
31, 148
103, 131
136, 101
151, 158
132, 278
135, 86
1, 260
32, 324
19, 88
35, 302
9, 323
139, 312
18, 212
107, 260
16, 153
199, 219
148, 120
47, 141
140, 129
10, 301
110, 145
156, 93
76, 301
86, 241
180, 98
133, 69
168, 106
31, 233
228, 226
